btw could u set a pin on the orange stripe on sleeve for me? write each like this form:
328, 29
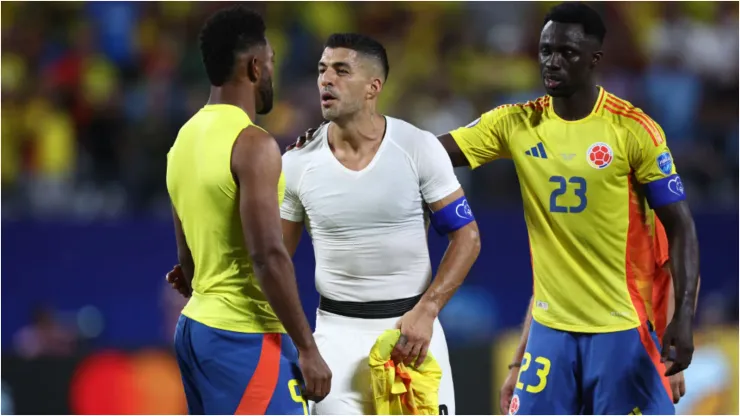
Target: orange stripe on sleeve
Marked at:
259, 391
619, 107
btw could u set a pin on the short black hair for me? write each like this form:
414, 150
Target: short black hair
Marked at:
226, 33
362, 44
578, 13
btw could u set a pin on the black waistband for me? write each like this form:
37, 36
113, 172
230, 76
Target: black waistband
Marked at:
369, 310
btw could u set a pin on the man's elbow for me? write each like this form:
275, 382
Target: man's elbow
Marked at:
264, 258
469, 238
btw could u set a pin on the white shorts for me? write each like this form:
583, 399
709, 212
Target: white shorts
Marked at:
345, 344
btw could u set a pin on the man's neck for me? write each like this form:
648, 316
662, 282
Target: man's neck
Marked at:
231, 95
578, 106
358, 130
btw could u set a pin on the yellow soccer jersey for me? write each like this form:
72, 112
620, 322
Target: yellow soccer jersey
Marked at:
581, 182
226, 293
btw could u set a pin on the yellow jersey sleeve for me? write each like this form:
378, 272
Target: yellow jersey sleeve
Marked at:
486, 138
651, 161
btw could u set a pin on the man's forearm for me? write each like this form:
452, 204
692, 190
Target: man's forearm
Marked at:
519, 353
684, 254
188, 268
685, 269
671, 307
456, 263
275, 275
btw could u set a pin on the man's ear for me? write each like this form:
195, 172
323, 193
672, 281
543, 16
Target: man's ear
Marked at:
376, 86
253, 68
596, 58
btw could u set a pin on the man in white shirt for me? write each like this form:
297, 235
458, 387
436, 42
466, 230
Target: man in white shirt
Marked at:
362, 185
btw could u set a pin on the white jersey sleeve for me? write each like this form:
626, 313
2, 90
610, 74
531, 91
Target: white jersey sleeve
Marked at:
436, 175
292, 209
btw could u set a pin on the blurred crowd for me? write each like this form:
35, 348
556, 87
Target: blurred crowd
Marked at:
93, 93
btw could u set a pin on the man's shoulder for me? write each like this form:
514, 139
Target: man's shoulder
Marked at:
303, 153
408, 136
507, 117
535, 106
621, 113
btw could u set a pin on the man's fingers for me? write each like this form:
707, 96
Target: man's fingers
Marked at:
309, 387
665, 351
503, 406
682, 387
174, 274
413, 353
675, 393
670, 369
401, 350
675, 368
327, 387
422, 355
400, 353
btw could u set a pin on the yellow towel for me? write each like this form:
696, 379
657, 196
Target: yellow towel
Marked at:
402, 390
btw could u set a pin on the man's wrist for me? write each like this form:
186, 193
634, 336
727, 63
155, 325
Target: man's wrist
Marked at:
515, 364
685, 309
305, 343
429, 307
307, 348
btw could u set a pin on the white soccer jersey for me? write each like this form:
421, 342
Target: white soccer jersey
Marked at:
367, 226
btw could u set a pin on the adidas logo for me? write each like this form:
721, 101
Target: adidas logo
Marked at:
537, 151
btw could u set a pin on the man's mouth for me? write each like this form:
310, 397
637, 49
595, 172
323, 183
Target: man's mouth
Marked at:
327, 98
551, 81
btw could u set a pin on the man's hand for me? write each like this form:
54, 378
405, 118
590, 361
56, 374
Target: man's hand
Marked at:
176, 279
316, 375
305, 138
680, 335
678, 385
507, 390
416, 328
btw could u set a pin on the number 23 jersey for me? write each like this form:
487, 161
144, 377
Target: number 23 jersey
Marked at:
586, 186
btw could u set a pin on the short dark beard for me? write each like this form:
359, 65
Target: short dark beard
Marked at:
265, 95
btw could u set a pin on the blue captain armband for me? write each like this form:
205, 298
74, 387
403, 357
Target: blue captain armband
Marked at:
665, 191
453, 216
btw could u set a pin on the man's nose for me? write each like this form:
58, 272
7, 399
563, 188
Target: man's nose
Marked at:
554, 62
326, 79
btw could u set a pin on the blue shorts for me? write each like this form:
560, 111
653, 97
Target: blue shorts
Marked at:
608, 373
226, 373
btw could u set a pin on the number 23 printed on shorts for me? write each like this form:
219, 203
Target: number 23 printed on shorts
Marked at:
542, 371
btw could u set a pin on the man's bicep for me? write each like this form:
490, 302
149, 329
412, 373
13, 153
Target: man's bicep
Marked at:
437, 177
291, 208
257, 166
655, 170
452, 213
652, 165
456, 155
446, 200
292, 232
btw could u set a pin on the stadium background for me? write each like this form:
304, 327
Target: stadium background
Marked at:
93, 95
